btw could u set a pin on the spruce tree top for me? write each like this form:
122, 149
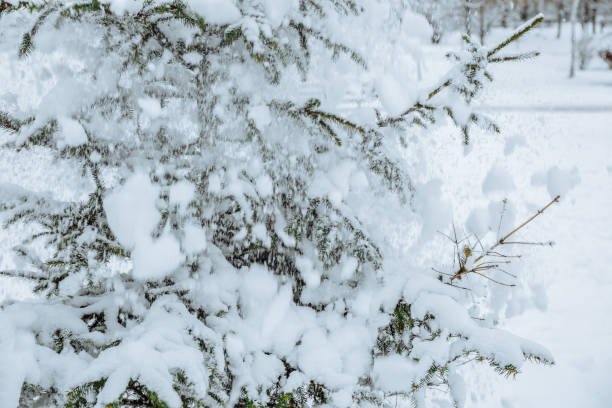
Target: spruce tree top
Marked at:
226, 242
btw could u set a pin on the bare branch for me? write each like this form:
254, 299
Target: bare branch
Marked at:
493, 280
502, 241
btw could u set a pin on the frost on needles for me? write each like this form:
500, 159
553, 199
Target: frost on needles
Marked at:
230, 241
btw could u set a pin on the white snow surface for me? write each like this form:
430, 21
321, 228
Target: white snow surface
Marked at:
72, 133
221, 12
216, 11
182, 193
132, 215
150, 107
155, 258
194, 240
131, 211
557, 141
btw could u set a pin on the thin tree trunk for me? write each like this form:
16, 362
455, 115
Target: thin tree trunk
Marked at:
504, 20
467, 8
586, 15
481, 20
574, 12
559, 19
525, 10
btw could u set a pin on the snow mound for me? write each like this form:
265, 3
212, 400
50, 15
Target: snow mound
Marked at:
132, 215
557, 181
497, 179
131, 211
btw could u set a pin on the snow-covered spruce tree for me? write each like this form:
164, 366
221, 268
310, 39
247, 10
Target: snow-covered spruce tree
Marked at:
229, 245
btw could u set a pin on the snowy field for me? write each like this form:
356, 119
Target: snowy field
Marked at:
556, 133
549, 121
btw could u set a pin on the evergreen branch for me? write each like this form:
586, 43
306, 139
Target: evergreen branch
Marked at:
178, 11
536, 358
303, 30
519, 57
506, 370
339, 120
312, 5
77, 10
518, 33
27, 44
470, 70
9, 123
15, 273
439, 89
509, 369
417, 108
6, 7
330, 132
318, 116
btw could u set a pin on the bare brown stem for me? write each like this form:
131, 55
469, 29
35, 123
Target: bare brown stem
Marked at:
493, 280
503, 240
492, 264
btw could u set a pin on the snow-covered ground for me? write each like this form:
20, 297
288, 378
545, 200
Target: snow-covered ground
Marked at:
577, 273
548, 121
